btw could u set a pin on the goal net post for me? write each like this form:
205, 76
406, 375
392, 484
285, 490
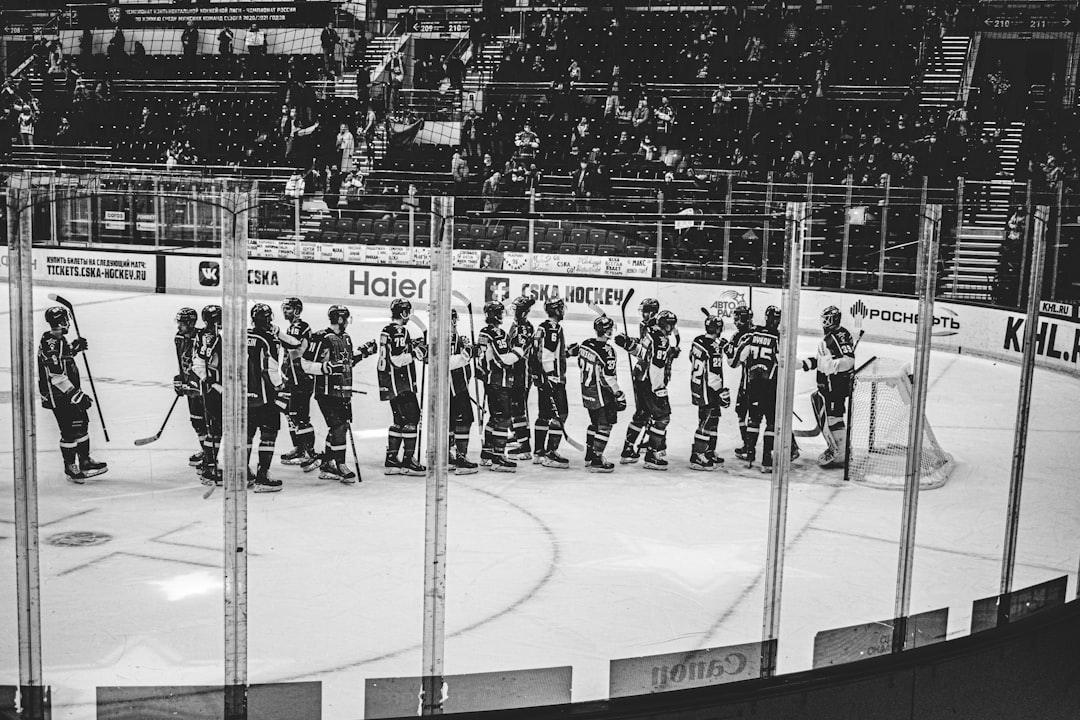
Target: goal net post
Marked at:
878, 421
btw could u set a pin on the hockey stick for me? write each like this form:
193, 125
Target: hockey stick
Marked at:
625, 302
571, 441
89, 376
472, 339
156, 436
423, 379
358, 392
355, 457
597, 309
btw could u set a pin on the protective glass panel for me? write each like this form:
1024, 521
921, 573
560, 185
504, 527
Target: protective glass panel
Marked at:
131, 554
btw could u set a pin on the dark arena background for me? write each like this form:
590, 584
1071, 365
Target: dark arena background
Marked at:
371, 359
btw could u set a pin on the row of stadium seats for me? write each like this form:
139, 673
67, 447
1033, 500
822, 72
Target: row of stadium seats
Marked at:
203, 67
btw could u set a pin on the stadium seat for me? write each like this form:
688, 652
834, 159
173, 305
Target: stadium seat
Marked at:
331, 237
345, 225
586, 248
363, 225
579, 236
543, 247
598, 237
505, 246
367, 239
350, 238
568, 248
381, 227
312, 236
484, 244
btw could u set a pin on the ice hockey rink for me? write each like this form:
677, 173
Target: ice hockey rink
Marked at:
545, 567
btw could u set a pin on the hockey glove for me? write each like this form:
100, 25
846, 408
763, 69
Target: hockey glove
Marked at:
620, 401
78, 345
572, 349
178, 385
333, 368
364, 351
673, 352
420, 351
809, 364
282, 400
81, 400
623, 341
725, 398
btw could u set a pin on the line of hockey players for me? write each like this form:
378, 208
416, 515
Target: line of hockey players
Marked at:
287, 367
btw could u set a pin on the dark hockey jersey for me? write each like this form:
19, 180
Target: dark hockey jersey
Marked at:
756, 353
549, 345
599, 384
521, 337
706, 371
835, 362
263, 368
460, 365
185, 354
326, 346
396, 369
292, 369
58, 376
498, 361
652, 352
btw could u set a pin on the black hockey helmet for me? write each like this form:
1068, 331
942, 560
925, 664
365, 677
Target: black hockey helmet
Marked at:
830, 318
291, 307
648, 308
772, 317
742, 315
453, 317
57, 317
338, 315
555, 307
211, 315
400, 309
521, 306
714, 325
603, 325
261, 315
666, 320
187, 316
494, 312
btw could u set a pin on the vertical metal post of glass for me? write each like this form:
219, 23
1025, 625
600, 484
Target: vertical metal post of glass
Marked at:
532, 225
884, 240
24, 445
795, 237
438, 455
766, 230
1058, 221
845, 244
1023, 404
925, 284
659, 233
959, 233
234, 447
727, 228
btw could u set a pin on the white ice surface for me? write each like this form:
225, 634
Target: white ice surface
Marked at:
545, 567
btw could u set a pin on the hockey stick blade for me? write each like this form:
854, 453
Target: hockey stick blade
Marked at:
460, 297
597, 309
418, 322
206, 495
156, 436
806, 433
572, 442
706, 313
625, 302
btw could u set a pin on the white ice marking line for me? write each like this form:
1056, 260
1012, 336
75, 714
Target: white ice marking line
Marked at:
99, 498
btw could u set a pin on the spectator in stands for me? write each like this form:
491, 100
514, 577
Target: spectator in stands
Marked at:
455, 71
459, 172
63, 132
346, 144
329, 39
255, 41
27, 122
86, 43
225, 41
642, 118
581, 138
491, 191
647, 150
116, 52
622, 150
368, 132
349, 47
665, 125
527, 142
189, 41
533, 177
472, 135
581, 184
397, 81
487, 167
408, 20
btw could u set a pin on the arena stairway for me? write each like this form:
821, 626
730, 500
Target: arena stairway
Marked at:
480, 72
943, 76
971, 272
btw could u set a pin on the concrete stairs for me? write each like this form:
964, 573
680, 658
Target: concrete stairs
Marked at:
943, 77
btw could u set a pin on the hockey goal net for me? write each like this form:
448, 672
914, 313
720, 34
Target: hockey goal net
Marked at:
880, 415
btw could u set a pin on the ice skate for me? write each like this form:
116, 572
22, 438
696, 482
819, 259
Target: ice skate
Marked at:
195, 460
212, 476
629, 455
265, 484
91, 467
412, 467
345, 475
296, 456
312, 462
600, 465
717, 461
746, 453
486, 458
74, 474
654, 460
521, 451
464, 466
392, 466
828, 460
538, 457
766, 468
501, 464
701, 461
555, 460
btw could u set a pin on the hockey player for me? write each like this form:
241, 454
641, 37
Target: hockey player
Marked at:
835, 363
295, 398
206, 365
499, 362
639, 372
600, 392
521, 336
398, 353
263, 383
744, 323
461, 412
186, 383
61, 391
654, 349
707, 391
329, 359
757, 352
549, 346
